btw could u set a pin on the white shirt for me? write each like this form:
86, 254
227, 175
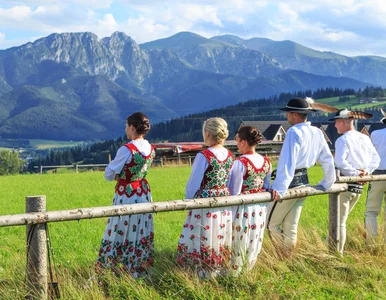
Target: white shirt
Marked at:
199, 167
353, 152
378, 137
303, 146
235, 181
124, 156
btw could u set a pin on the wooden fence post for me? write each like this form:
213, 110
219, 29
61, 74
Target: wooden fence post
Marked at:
36, 273
76, 168
162, 162
190, 161
41, 169
334, 220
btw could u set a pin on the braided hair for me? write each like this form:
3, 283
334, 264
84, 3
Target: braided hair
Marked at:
249, 134
140, 122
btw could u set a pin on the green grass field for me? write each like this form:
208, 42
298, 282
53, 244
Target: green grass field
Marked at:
311, 273
48, 144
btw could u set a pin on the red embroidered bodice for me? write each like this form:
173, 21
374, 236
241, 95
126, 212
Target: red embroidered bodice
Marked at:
253, 179
132, 177
216, 176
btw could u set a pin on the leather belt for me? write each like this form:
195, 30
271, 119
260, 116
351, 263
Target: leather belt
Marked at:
356, 188
379, 172
300, 178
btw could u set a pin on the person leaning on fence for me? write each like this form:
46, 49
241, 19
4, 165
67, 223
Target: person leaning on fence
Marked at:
205, 241
250, 173
303, 146
128, 241
355, 155
377, 190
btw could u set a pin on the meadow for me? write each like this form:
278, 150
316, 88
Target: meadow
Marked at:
312, 273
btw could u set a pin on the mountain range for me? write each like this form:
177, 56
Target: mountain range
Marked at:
76, 86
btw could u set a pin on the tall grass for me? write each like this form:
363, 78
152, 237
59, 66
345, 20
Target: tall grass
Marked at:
311, 273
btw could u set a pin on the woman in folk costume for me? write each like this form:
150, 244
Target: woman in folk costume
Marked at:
250, 173
205, 241
128, 241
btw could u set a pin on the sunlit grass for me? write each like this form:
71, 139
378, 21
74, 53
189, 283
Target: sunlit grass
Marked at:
311, 273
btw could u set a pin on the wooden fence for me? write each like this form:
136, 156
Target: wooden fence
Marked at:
36, 218
187, 160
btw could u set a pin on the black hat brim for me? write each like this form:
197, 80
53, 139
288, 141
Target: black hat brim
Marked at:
300, 111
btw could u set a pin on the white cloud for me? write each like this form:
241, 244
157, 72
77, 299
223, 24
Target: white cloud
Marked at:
337, 25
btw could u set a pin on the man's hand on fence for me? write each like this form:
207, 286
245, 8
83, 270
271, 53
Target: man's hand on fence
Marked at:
362, 173
274, 195
116, 178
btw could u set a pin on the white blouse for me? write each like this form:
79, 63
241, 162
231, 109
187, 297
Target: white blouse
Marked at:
199, 167
124, 156
303, 146
238, 170
354, 151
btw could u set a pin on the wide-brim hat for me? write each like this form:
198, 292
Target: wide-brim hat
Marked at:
383, 120
298, 105
347, 114
341, 114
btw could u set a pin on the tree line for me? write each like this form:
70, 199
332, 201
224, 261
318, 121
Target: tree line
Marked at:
188, 128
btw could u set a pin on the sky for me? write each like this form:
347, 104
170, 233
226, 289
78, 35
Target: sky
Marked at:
343, 26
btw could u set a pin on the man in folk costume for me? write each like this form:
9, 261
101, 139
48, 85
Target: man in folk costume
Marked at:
377, 189
355, 155
303, 146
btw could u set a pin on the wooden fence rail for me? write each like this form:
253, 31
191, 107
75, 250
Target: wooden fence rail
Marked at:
36, 218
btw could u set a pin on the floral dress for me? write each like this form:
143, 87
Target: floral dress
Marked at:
128, 241
205, 241
249, 220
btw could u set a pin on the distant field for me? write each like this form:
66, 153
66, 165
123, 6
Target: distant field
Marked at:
311, 274
46, 144
353, 103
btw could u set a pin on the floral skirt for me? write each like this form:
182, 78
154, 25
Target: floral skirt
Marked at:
128, 241
205, 241
247, 236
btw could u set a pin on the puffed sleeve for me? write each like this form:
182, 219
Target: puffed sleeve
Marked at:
326, 161
267, 179
287, 163
200, 164
375, 159
116, 165
341, 162
235, 180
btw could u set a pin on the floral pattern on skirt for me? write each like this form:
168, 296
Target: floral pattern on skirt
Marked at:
128, 241
247, 236
205, 241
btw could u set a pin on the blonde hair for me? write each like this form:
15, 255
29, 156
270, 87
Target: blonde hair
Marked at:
217, 129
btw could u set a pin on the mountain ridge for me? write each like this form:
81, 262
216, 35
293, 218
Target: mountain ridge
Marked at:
93, 84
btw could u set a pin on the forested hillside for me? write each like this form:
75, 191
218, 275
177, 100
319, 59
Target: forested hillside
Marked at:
189, 128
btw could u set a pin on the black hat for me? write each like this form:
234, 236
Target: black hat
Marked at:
298, 105
383, 120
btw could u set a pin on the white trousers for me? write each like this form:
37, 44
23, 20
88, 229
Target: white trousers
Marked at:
375, 195
347, 203
283, 221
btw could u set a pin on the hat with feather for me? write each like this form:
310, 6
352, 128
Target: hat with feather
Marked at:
347, 114
383, 120
306, 106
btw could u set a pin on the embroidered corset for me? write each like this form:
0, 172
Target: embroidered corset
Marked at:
253, 179
215, 177
132, 177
